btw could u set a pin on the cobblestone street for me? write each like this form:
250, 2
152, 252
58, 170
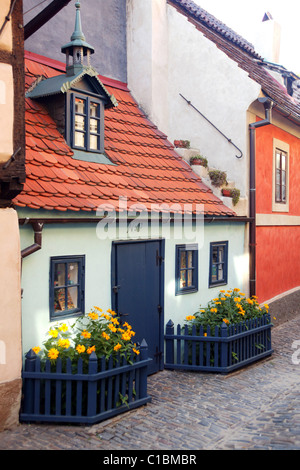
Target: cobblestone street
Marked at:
255, 408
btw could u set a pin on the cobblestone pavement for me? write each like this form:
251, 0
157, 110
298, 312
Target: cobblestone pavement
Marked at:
255, 408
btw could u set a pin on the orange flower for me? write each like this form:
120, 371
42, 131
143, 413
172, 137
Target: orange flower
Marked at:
86, 334
226, 321
91, 349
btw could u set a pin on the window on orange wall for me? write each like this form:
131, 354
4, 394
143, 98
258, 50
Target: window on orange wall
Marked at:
281, 153
280, 176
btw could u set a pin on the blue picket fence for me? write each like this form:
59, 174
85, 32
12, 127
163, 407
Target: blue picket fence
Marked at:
69, 394
223, 350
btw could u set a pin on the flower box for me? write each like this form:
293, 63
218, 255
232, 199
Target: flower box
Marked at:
230, 333
67, 393
221, 350
85, 373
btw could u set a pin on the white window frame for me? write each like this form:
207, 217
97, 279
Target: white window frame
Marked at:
281, 206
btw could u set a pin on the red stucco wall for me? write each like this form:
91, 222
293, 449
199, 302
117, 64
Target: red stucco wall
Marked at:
278, 247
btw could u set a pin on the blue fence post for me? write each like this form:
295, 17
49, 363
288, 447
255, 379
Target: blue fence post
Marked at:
170, 343
92, 386
144, 370
224, 347
29, 383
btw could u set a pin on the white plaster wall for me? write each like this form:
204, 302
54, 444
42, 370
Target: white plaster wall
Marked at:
193, 66
82, 239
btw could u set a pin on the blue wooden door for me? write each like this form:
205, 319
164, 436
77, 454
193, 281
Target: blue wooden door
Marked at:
137, 292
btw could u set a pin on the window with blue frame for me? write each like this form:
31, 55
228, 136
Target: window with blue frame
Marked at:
87, 124
67, 282
186, 269
218, 266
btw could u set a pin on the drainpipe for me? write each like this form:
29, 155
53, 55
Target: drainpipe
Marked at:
37, 245
268, 104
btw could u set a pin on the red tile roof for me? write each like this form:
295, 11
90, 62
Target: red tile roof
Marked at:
145, 168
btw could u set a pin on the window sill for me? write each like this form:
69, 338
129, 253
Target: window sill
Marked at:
218, 284
91, 157
187, 291
66, 315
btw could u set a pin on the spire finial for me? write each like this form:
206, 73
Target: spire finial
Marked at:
78, 47
78, 34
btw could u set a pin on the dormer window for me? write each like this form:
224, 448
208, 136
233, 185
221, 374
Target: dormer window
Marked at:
77, 99
87, 123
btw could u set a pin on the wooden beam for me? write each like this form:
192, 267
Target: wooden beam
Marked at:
44, 16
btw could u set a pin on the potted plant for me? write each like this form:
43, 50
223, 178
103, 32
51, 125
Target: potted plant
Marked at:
218, 178
234, 193
199, 160
182, 144
86, 372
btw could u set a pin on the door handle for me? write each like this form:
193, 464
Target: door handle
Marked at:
115, 289
123, 314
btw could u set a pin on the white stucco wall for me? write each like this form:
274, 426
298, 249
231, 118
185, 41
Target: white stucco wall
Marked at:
82, 239
192, 65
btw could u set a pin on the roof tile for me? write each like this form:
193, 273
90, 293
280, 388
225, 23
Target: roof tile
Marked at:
146, 169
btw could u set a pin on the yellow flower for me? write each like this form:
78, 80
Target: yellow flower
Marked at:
218, 303
91, 349
190, 317
99, 309
225, 320
63, 327
222, 291
266, 306
93, 315
250, 301
274, 318
53, 333
64, 343
107, 317
202, 311
214, 310
36, 349
236, 289
117, 347
80, 348
105, 335
241, 293
112, 328
126, 336
223, 298
135, 351
86, 334
204, 334
53, 353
